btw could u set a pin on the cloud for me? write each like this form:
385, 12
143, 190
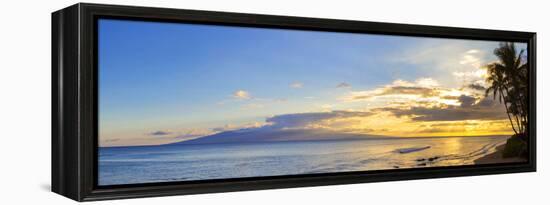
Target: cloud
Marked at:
449, 97
326, 107
472, 51
465, 111
477, 86
409, 90
300, 120
423, 92
441, 57
297, 85
110, 140
431, 130
343, 85
252, 106
241, 95
446, 124
423, 87
472, 75
188, 136
470, 58
219, 129
229, 127
466, 101
193, 134
487, 102
159, 133
426, 82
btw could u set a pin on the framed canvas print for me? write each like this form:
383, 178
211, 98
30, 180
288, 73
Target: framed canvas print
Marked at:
154, 102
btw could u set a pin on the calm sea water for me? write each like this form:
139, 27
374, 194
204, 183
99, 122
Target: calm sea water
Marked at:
130, 165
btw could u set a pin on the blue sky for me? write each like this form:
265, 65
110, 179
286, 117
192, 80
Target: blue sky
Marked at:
181, 77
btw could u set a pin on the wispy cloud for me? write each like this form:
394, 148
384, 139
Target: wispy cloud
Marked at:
471, 57
423, 87
473, 75
253, 106
241, 95
193, 134
230, 127
160, 133
326, 107
343, 85
296, 85
465, 60
110, 140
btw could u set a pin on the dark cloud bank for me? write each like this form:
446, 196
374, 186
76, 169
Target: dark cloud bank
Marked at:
485, 109
159, 133
303, 119
289, 127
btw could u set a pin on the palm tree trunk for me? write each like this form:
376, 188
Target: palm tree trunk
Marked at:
507, 112
519, 124
523, 115
518, 121
512, 103
522, 119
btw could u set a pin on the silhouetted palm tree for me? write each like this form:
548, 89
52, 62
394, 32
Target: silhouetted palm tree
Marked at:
497, 86
508, 78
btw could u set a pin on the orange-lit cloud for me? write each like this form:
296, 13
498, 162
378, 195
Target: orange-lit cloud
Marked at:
419, 108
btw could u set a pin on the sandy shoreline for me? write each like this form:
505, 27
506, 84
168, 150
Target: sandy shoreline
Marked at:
496, 157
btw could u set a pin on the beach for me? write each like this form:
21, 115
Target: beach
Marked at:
496, 157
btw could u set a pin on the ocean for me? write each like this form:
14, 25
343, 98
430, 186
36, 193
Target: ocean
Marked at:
168, 163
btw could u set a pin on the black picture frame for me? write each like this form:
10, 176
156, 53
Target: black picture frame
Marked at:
74, 101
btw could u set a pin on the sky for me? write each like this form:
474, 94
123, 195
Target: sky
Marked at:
168, 82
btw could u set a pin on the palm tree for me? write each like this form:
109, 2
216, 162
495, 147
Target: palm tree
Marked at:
497, 85
508, 78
